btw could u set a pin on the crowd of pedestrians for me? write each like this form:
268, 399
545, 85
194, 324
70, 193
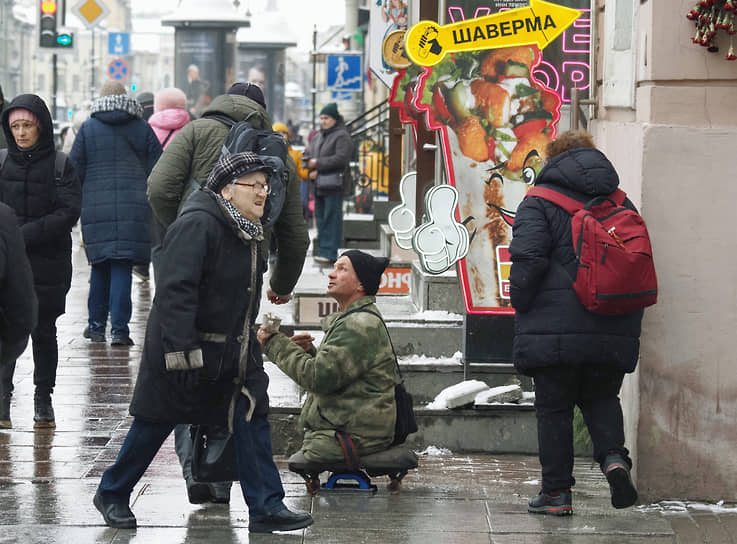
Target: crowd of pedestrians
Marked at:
151, 186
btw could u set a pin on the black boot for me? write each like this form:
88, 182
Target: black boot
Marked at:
617, 472
43, 414
5, 422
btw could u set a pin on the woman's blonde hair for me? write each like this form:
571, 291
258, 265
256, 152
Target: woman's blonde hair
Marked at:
571, 139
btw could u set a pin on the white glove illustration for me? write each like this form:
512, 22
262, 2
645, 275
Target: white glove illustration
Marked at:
402, 217
441, 241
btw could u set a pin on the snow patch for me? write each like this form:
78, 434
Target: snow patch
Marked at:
434, 451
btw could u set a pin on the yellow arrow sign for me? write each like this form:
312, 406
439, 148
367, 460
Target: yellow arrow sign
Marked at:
427, 42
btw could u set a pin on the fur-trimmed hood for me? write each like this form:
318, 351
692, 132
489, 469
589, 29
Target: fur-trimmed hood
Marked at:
116, 109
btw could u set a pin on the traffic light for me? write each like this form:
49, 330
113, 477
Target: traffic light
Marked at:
65, 40
47, 24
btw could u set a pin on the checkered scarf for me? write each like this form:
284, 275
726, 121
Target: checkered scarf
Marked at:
245, 228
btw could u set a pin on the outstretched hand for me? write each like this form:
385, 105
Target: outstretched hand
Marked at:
277, 299
303, 340
263, 334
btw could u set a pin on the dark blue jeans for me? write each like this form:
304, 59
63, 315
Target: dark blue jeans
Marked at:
595, 389
110, 292
329, 220
259, 476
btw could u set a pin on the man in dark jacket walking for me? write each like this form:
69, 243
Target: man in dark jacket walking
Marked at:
329, 153
575, 357
201, 363
114, 153
46, 199
18, 310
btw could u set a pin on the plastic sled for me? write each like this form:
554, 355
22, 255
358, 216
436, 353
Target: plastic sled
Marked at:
394, 463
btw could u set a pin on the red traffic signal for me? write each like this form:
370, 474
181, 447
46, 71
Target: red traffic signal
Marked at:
48, 7
47, 24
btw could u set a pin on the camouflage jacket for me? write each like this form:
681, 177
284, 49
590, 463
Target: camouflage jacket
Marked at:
349, 379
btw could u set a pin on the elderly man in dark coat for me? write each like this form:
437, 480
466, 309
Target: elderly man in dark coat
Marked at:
187, 163
114, 153
575, 357
201, 363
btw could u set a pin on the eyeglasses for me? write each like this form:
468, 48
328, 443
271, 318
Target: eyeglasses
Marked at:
258, 187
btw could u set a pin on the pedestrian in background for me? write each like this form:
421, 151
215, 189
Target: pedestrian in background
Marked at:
201, 363
169, 115
114, 153
574, 356
45, 194
329, 153
302, 172
18, 304
78, 118
146, 100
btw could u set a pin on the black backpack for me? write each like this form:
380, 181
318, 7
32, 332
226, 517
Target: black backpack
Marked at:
270, 147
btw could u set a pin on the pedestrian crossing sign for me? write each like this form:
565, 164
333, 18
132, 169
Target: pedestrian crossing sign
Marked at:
344, 72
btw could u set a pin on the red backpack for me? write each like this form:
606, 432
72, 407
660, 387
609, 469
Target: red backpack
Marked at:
616, 273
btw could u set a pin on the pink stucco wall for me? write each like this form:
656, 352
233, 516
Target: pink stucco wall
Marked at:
676, 153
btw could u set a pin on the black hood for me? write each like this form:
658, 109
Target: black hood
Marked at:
584, 170
34, 104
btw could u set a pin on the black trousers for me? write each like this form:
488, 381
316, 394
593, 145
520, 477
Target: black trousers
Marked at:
45, 356
595, 389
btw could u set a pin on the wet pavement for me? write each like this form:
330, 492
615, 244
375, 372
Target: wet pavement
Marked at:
48, 478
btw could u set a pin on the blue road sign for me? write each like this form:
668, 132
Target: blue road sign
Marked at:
342, 95
118, 43
118, 69
344, 72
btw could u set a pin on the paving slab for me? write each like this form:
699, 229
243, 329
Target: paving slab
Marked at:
48, 479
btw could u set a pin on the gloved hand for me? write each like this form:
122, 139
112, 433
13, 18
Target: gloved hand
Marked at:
188, 380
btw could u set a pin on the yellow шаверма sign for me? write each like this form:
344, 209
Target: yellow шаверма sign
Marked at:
427, 42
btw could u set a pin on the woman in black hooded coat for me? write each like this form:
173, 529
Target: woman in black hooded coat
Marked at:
47, 206
575, 357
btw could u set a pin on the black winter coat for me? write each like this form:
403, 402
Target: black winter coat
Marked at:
333, 149
18, 303
47, 208
205, 286
551, 325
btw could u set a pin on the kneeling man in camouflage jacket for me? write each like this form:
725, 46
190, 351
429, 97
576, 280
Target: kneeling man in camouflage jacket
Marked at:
350, 377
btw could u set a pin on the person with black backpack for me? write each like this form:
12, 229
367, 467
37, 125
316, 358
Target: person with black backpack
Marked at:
575, 355
43, 189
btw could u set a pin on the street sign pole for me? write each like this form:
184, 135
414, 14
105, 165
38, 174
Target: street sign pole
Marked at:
92, 65
55, 86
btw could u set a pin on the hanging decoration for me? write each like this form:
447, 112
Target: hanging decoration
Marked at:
711, 16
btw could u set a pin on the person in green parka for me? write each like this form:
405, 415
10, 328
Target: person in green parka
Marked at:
350, 377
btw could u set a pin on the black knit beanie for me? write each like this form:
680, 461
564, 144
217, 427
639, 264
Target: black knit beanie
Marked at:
249, 90
368, 269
